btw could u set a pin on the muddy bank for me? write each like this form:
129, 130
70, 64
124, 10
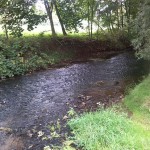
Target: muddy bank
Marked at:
85, 45
84, 48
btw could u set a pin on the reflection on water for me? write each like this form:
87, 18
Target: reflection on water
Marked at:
34, 100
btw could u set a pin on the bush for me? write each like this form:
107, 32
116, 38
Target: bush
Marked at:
12, 58
20, 55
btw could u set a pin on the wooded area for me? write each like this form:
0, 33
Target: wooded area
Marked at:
105, 14
123, 20
84, 98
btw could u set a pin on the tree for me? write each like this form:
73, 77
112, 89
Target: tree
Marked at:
142, 30
49, 9
69, 14
117, 14
56, 4
15, 13
88, 13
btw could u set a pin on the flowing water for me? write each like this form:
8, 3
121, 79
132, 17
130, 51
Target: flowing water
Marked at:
32, 101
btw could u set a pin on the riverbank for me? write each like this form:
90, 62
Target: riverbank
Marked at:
111, 128
27, 54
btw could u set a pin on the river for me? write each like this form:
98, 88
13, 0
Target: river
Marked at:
32, 101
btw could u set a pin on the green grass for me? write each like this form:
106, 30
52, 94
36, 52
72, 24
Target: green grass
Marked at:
79, 36
57, 57
138, 102
108, 130
113, 130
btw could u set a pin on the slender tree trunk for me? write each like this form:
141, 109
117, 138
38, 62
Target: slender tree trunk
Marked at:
49, 13
92, 16
111, 22
129, 16
128, 13
117, 13
6, 31
122, 17
89, 19
60, 20
98, 25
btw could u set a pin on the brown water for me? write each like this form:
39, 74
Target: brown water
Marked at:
33, 101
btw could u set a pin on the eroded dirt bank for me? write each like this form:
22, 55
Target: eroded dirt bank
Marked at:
84, 49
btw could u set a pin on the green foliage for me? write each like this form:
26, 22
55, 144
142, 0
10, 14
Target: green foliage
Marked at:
107, 129
56, 57
106, 14
142, 30
10, 67
70, 12
10, 62
138, 101
12, 57
26, 54
14, 14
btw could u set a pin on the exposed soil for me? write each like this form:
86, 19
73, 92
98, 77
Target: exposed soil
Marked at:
101, 94
84, 49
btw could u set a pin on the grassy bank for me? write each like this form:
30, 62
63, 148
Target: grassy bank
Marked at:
138, 103
111, 129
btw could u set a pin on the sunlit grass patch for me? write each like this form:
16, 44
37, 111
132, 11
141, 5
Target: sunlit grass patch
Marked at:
146, 104
106, 129
138, 101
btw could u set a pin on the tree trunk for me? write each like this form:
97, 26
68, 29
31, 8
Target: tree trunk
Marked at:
127, 8
89, 19
111, 22
129, 17
49, 13
6, 31
122, 17
60, 20
92, 16
117, 13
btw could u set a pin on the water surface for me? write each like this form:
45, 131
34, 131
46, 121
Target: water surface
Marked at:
32, 101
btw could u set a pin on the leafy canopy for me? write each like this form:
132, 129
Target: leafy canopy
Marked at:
15, 13
142, 29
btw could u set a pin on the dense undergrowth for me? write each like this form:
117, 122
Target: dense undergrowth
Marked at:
111, 129
27, 54
32, 52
